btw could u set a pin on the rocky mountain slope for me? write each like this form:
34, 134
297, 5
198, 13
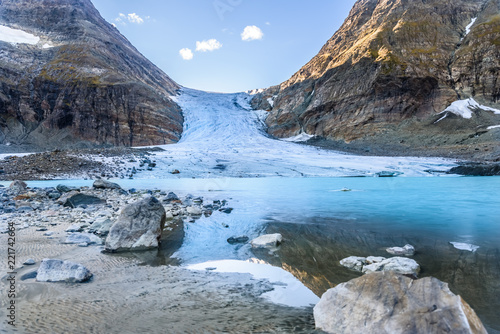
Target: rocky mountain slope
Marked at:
382, 82
70, 79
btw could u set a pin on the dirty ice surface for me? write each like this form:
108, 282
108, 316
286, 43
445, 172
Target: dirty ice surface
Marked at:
224, 137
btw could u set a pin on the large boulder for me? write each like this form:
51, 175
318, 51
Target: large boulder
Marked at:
62, 271
391, 303
103, 184
138, 227
74, 199
18, 187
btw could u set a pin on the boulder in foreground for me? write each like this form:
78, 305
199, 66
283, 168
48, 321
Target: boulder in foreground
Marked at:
138, 227
62, 271
390, 303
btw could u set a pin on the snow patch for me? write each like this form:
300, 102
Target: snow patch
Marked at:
271, 101
301, 137
464, 246
255, 91
493, 127
16, 36
467, 29
464, 108
287, 291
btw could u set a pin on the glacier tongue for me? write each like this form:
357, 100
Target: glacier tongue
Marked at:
224, 137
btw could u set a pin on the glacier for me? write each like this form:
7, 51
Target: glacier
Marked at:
224, 137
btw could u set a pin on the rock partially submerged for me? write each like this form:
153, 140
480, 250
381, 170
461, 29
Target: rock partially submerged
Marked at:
138, 227
52, 270
103, 184
391, 303
400, 265
465, 246
267, 240
406, 250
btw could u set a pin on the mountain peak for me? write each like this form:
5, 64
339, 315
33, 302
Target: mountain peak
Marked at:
81, 84
395, 64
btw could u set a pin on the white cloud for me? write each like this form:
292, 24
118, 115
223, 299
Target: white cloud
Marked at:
186, 54
132, 18
251, 33
210, 45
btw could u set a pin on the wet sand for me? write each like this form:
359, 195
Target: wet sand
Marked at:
126, 296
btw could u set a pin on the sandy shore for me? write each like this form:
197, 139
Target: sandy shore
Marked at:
127, 297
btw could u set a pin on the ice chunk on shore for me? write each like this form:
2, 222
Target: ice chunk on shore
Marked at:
301, 137
287, 289
464, 246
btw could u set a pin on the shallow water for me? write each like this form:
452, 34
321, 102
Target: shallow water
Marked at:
322, 224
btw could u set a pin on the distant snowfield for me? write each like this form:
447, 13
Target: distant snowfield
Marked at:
224, 137
10, 35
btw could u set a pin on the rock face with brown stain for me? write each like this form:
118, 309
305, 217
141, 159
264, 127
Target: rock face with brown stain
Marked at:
83, 84
390, 70
391, 303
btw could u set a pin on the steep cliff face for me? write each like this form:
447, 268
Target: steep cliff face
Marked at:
390, 70
70, 79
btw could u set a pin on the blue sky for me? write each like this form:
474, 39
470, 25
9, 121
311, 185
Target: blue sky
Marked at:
282, 36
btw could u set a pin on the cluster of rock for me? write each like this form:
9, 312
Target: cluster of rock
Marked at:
400, 265
119, 162
129, 220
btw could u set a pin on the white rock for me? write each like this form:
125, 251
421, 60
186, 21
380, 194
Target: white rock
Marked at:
354, 262
194, 210
62, 271
464, 246
407, 250
400, 265
374, 259
74, 228
78, 238
267, 240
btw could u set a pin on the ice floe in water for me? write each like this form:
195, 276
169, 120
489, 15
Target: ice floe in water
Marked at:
224, 137
464, 246
287, 291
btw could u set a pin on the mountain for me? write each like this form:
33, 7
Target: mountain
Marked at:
382, 83
70, 79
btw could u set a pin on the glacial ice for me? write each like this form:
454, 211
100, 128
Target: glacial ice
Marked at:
224, 137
